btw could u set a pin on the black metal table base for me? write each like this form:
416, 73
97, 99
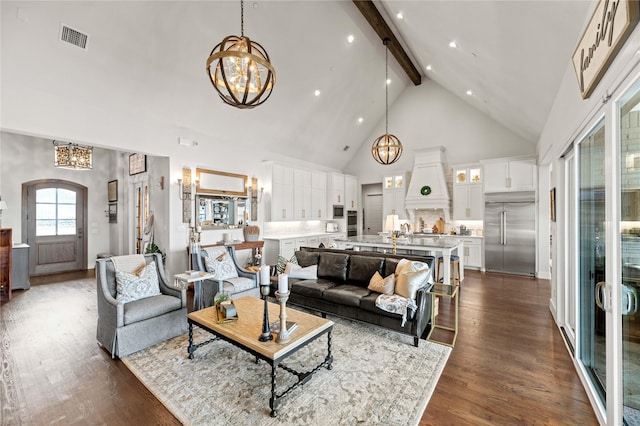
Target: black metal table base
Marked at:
303, 377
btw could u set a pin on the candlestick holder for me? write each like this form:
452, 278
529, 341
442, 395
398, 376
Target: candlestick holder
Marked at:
283, 334
266, 332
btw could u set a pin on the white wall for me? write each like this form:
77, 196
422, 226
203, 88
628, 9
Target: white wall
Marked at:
428, 115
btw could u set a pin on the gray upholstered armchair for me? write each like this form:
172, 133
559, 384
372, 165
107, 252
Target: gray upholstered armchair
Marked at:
245, 284
124, 328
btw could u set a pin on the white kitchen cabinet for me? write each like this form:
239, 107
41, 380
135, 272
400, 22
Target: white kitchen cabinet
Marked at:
313, 241
274, 247
336, 189
286, 247
351, 192
468, 200
318, 196
300, 242
282, 193
394, 193
302, 195
472, 253
510, 174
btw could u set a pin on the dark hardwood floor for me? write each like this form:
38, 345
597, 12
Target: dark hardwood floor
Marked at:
509, 365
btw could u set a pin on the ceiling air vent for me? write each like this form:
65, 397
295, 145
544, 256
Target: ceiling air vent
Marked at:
74, 37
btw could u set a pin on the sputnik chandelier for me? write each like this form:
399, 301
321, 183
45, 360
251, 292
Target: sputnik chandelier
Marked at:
240, 70
387, 148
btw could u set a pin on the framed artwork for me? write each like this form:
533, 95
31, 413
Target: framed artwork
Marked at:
112, 191
552, 204
137, 164
113, 213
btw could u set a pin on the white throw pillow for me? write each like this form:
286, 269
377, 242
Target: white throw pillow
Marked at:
296, 271
403, 264
220, 264
408, 282
139, 285
382, 285
410, 276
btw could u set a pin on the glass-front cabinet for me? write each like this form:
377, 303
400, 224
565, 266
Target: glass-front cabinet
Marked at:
468, 199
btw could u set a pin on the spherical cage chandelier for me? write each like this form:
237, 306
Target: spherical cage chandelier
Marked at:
386, 149
243, 75
240, 70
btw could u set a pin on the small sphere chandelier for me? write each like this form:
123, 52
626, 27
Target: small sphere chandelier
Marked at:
386, 149
242, 73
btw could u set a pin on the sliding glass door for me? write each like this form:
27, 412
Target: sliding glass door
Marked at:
629, 239
591, 262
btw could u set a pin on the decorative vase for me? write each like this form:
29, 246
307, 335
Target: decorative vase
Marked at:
251, 233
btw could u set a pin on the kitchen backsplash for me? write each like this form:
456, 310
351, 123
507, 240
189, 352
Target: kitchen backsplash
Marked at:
298, 227
431, 216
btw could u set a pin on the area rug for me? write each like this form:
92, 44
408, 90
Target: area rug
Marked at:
378, 378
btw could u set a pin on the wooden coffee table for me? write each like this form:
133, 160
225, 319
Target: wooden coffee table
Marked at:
244, 334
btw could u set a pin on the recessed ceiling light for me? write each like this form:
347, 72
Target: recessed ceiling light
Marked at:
428, 67
469, 92
350, 38
388, 81
317, 92
360, 119
453, 44
399, 15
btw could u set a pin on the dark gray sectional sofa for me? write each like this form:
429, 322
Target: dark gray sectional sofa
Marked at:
341, 288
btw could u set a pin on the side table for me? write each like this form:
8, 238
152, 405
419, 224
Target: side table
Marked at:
183, 280
450, 292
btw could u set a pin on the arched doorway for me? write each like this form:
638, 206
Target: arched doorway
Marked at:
53, 224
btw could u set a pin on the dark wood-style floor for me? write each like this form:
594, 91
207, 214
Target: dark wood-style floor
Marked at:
509, 366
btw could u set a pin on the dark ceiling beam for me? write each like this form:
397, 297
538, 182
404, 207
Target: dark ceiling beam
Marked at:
377, 22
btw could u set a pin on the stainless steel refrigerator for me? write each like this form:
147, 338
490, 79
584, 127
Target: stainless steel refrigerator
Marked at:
509, 234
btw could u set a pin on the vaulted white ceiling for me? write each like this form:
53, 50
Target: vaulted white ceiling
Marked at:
147, 59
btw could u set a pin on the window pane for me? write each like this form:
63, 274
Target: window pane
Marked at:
45, 227
47, 195
66, 211
66, 227
45, 211
66, 197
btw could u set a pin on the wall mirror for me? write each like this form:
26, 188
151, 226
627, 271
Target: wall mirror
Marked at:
221, 212
221, 183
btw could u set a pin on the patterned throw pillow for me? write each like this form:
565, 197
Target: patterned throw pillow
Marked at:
382, 285
282, 263
144, 283
221, 266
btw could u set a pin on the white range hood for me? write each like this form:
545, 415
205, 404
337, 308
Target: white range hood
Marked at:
428, 186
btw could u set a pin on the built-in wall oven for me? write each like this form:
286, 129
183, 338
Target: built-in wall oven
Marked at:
352, 223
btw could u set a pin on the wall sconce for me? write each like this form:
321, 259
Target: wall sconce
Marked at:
255, 195
255, 198
184, 190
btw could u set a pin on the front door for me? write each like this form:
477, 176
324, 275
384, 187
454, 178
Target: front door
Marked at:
54, 226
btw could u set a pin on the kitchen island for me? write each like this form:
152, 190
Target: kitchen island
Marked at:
412, 244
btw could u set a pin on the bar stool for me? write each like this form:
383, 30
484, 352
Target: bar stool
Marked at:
455, 264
